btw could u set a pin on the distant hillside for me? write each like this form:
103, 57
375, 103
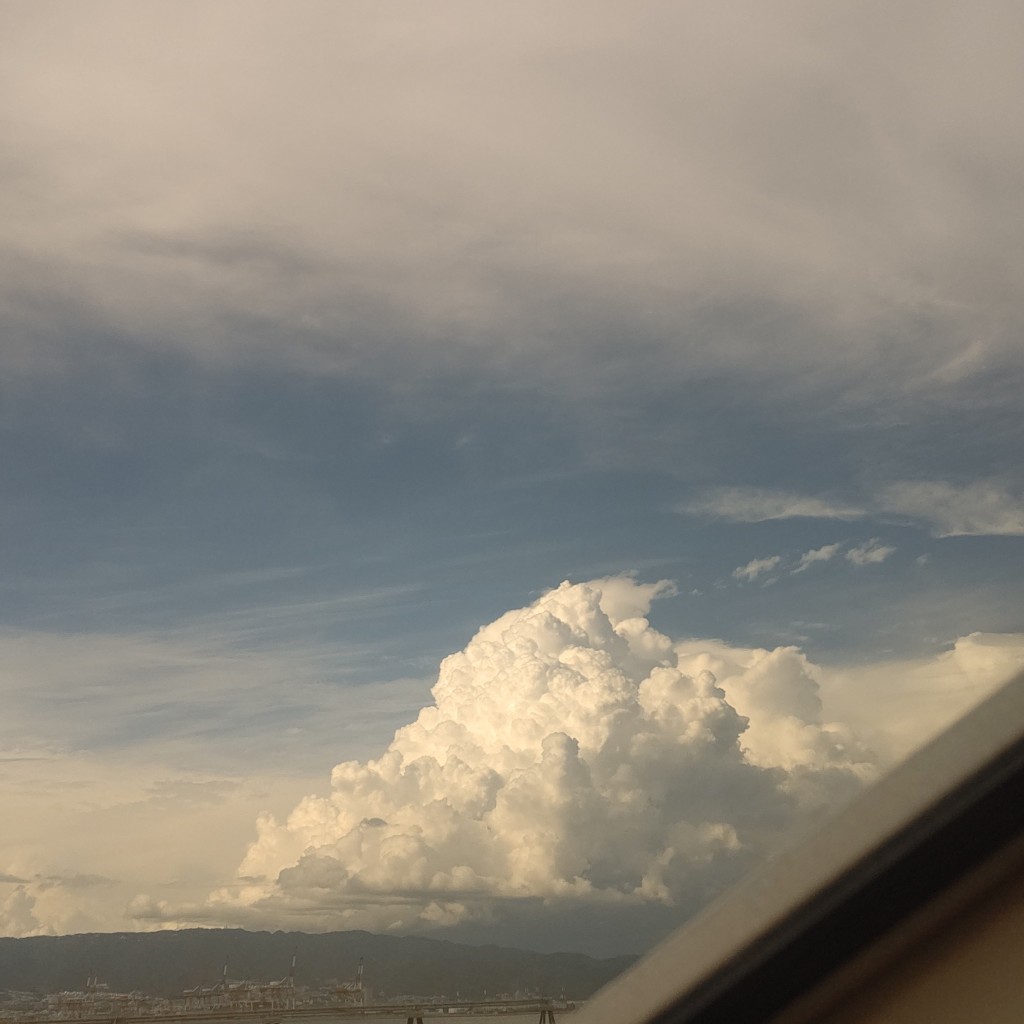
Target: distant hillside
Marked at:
165, 963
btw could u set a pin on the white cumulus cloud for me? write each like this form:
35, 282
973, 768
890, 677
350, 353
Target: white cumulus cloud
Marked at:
573, 757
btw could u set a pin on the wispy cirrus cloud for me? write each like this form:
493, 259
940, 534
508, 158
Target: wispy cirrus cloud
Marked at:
983, 508
74, 881
871, 552
823, 554
197, 696
753, 505
756, 567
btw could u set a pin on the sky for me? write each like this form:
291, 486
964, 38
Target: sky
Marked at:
492, 471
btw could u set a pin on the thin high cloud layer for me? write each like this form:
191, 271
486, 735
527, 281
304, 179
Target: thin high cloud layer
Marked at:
158, 739
60, 873
572, 758
983, 508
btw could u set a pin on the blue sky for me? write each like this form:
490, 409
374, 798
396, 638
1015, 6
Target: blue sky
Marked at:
146, 492
331, 334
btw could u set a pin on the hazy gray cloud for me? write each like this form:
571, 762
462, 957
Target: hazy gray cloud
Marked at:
648, 170
17, 915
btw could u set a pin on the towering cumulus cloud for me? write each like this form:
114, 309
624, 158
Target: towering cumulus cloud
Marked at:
573, 757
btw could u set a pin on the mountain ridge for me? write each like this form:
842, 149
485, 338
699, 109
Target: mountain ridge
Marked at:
165, 963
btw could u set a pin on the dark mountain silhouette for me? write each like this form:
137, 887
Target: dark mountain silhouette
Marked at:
166, 963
